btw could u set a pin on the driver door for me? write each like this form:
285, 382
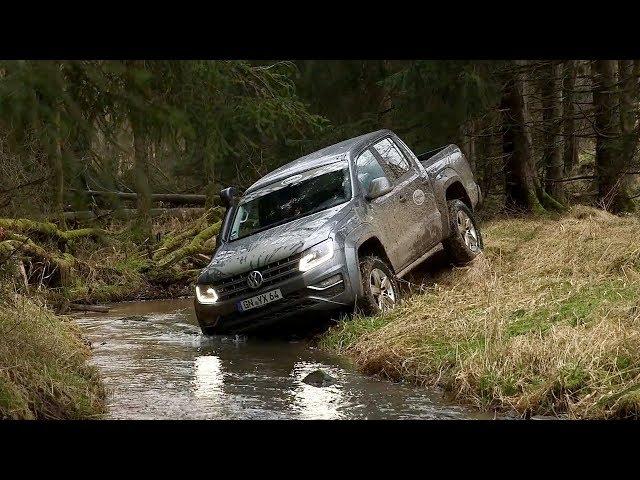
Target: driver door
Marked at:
380, 211
410, 218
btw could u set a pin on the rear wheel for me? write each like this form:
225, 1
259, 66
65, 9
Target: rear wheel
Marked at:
379, 284
465, 241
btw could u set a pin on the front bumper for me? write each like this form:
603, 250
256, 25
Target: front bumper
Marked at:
298, 297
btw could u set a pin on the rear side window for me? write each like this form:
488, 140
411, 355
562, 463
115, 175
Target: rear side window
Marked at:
392, 156
368, 169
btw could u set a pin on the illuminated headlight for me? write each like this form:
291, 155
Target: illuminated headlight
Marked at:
206, 294
316, 255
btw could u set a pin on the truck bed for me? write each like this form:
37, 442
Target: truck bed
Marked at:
434, 159
449, 157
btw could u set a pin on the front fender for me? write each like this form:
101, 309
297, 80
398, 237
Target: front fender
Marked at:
352, 243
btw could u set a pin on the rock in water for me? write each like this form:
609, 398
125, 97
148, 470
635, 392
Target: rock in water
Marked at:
319, 378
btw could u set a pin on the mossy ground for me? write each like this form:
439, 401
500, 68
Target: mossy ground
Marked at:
110, 264
547, 321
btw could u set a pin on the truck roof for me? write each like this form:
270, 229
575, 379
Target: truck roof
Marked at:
325, 156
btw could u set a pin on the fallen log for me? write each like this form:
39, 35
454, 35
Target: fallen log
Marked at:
49, 230
88, 308
126, 213
61, 262
181, 198
193, 247
171, 242
203, 257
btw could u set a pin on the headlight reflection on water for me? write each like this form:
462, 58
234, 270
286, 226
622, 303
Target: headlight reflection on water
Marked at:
209, 377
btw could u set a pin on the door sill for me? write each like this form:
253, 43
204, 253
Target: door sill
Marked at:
417, 262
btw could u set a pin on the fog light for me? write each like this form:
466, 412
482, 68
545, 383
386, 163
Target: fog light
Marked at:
327, 282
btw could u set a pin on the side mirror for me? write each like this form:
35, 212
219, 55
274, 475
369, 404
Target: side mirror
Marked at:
378, 187
227, 195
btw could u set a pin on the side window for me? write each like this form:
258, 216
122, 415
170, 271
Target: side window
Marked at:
393, 157
368, 169
243, 222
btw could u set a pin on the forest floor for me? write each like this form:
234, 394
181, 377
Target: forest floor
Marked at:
546, 322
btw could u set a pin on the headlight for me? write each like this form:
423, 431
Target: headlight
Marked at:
316, 255
206, 294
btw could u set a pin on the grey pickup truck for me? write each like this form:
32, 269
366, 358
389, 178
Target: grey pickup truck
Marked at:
335, 229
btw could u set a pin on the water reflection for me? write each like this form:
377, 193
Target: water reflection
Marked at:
209, 378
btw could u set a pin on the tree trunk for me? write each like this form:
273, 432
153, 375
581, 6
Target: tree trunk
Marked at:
141, 168
552, 153
610, 162
58, 174
570, 154
469, 143
520, 177
179, 198
627, 114
485, 152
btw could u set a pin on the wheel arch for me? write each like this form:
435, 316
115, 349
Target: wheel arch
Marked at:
360, 242
455, 190
373, 246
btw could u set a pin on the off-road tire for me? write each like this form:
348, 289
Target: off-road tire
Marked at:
459, 252
367, 303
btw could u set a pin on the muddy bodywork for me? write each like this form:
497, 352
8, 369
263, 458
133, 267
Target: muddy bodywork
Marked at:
408, 221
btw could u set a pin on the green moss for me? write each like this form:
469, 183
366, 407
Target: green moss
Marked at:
623, 361
131, 265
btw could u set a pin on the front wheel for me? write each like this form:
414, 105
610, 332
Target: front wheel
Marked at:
465, 240
379, 284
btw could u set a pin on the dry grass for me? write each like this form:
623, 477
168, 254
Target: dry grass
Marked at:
546, 322
43, 365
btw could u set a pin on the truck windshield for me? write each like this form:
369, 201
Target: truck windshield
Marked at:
292, 198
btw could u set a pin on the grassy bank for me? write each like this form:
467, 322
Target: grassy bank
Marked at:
546, 322
43, 365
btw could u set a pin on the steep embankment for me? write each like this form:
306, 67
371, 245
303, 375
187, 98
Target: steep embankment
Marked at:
546, 322
44, 372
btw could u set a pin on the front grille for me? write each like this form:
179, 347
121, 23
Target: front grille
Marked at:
272, 273
277, 309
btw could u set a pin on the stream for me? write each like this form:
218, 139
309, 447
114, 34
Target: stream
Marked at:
157, 365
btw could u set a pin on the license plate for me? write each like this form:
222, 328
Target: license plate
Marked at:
259, 300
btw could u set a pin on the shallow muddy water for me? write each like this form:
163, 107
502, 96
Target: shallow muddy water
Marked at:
157, 365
